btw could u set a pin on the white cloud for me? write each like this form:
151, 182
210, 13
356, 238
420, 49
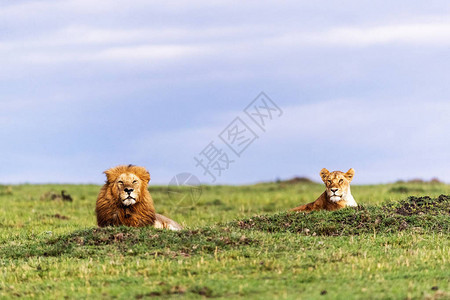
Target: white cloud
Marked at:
234, 50
426, 33
436, 33
153, 54
96, 44
27, 10
396, 124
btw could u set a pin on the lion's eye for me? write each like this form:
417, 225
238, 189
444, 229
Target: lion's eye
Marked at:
135, 181
329, 181
341, 181
120, 182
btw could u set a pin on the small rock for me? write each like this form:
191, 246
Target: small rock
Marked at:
178, 289
119, 236
403, 225
79, 240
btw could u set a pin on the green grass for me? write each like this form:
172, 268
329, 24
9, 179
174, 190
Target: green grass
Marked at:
239, 242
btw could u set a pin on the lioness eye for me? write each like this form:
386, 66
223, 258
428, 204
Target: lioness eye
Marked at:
120, 182
135, 181
329, 181
341, 181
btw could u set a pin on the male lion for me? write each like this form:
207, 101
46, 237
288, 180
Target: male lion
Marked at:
125, 200
337, 194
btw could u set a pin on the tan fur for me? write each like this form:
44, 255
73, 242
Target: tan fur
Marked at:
337, 194
125, 200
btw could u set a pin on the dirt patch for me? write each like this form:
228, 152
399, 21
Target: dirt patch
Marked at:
422, 205
433, 180
175, 290
58, 216
202, 290
6, 190
215, 202
297, 180
50, 196
99, 236
54, 196
405, 190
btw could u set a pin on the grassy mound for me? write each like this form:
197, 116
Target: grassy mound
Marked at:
421, 214
417, 214
130, 241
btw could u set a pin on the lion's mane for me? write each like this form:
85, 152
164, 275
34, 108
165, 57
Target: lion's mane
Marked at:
110, 211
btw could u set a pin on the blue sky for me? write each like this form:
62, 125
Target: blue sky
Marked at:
87, 85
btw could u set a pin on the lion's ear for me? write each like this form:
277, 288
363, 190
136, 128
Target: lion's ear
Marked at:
349, 175
111, 175
146, 177
324, 174
143, 174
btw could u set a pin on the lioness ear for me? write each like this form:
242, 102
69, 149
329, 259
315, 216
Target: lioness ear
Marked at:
349, 175
324, 174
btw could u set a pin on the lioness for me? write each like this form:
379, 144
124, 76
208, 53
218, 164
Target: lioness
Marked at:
125, 200
337, 194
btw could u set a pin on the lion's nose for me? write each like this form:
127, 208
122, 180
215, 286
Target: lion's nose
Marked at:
127, 190
334, 190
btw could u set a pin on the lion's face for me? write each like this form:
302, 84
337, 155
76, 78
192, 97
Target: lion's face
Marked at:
127, 183
128, 186
337, 183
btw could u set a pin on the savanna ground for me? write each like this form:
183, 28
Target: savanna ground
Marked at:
239, 242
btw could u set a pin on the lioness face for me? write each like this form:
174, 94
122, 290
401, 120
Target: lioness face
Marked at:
129, 186
337, 183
